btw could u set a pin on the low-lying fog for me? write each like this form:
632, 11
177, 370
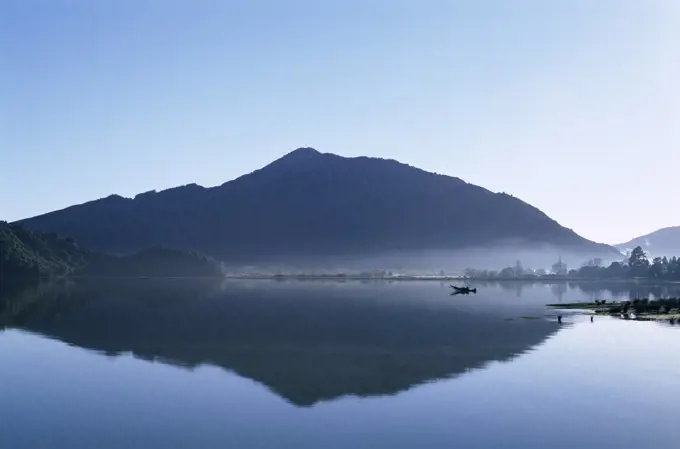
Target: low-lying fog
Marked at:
430, 262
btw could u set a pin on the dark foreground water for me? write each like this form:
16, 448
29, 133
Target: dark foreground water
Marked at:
180, 364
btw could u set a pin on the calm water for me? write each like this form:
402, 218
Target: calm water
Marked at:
183, 364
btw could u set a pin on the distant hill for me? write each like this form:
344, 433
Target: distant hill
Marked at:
32, 255
664, 242
309, 204
153, 262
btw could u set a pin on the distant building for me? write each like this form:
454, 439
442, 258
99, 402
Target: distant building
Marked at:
560, 268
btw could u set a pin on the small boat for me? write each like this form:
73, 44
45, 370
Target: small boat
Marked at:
463, 290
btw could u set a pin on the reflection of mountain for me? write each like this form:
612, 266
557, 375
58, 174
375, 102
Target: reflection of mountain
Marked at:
305, 344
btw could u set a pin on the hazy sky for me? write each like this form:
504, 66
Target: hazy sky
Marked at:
570, 105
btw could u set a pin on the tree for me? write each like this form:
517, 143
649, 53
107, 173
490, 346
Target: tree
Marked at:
673, 268
590, 271
507, 272
638, 262
615, 270
658, 268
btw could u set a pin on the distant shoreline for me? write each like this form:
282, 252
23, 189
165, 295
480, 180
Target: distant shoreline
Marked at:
349, 277
340, 277
403, 278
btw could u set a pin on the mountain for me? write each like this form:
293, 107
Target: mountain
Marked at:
311, 205
663, 242
28, 254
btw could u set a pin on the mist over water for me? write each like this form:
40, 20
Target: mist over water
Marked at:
495, 257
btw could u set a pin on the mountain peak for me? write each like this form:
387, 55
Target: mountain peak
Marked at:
294, 160
302, 153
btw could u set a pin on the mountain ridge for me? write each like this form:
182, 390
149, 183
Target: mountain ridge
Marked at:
314, 204
664, 242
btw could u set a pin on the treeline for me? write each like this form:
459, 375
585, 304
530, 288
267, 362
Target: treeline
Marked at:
153, 262
637, 265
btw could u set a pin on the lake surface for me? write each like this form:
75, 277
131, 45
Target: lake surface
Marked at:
264, 364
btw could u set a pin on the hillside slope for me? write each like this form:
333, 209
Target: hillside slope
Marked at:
32, 255
663, 242
26, 254
313, 204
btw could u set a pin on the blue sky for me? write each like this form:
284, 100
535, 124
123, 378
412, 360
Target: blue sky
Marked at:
571, 105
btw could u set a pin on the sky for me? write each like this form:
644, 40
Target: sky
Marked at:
571, 105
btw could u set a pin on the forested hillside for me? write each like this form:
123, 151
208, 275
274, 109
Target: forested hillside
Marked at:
27, 254
32, 255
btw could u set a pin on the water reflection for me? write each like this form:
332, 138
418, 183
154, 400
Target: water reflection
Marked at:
310, 342
305, 342
591, 290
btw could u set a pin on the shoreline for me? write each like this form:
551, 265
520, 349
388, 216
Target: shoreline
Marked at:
357, 277
638, 309
411, 278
